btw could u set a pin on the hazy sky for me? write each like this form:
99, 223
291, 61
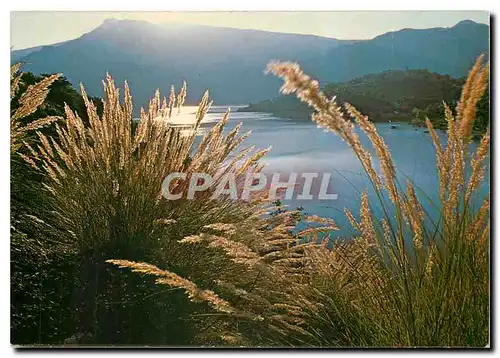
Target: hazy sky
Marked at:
41, 28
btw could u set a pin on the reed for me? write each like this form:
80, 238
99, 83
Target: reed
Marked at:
406, 279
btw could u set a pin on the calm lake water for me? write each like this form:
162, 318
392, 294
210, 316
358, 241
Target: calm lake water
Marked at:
299, 146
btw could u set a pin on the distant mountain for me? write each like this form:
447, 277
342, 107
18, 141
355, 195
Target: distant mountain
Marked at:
230, 62
19, 55
449, 51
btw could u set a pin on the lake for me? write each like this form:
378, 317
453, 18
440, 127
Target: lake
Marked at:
299, 146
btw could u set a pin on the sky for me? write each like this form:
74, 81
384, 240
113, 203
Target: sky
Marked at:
35, 28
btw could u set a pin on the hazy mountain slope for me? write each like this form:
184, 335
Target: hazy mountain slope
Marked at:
383, 96
443, 50
19, 54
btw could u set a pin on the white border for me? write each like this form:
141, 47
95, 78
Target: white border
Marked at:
256, 5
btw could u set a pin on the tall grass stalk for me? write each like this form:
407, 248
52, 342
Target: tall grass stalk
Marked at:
401, 281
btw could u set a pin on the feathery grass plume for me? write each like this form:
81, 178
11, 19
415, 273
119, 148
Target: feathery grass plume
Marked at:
459, 130
33, 97
328, 114
473, 90
110, 152
41, 265
181, 98
171, 279
15, 77
269, 255
442, 163
480, 221
326, 226
238, 251
414, 213
478, 168
29, 102
397, 291
366, 224
224, 227
381, 150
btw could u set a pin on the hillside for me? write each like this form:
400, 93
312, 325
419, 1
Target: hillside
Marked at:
230, 62
384, 96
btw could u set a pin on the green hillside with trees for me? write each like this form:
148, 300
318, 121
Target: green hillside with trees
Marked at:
409, 96
100, 256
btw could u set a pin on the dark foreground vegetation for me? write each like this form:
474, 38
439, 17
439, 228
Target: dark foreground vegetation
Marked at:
99, 256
